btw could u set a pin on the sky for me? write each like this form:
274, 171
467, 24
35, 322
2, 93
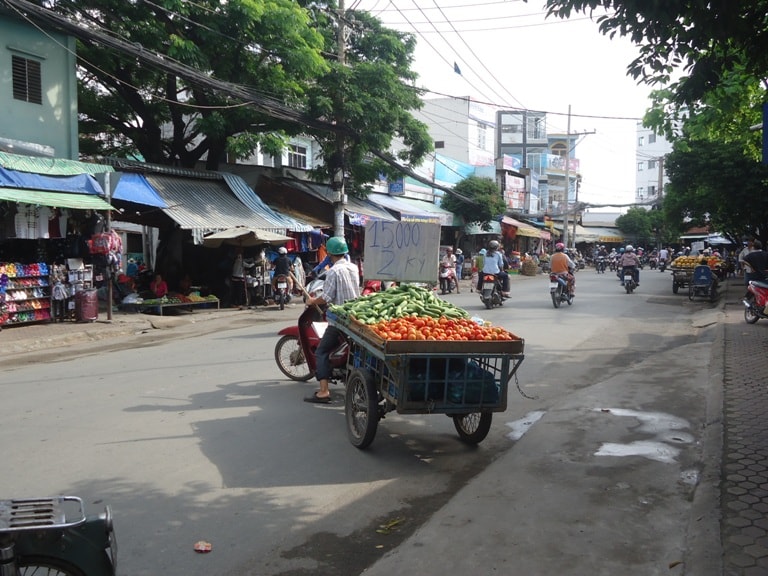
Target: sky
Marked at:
510, 54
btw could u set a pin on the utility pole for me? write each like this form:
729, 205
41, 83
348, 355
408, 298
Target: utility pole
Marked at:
340, 199
567, 177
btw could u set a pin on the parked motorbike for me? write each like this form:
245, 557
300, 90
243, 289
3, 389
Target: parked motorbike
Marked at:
295, 350
628, 280
53, 535
600, 265
490, 292
558, 290
447, 278
282, 294
755, 301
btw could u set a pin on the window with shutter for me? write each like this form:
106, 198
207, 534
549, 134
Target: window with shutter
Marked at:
27, 81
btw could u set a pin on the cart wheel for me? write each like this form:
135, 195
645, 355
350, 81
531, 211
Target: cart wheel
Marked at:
713, 293
361, 408
691, 292
473, 428
290, 359
675, 288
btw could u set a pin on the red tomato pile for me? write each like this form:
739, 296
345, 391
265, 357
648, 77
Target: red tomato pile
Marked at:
427, 328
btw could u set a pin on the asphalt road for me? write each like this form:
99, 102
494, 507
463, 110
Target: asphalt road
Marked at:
203, 438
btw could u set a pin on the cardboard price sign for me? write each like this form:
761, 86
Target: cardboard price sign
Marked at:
401, 251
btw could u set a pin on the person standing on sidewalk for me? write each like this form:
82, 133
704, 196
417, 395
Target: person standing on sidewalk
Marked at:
342, 283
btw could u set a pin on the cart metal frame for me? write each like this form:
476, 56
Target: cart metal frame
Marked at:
466, 380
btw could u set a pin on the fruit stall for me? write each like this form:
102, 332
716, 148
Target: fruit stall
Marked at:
414, 353
682, 270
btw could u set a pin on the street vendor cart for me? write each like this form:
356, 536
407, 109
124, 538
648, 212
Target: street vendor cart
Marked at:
466, 380
681, 278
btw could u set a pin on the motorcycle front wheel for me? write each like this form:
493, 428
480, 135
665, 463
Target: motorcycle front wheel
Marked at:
473, 428
290, 359
750, 314
45, 566
361, 408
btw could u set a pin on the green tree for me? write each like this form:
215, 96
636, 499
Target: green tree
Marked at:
715, 183
706, 39
477, 200
638, 224
164, 118
372, 94
284, 49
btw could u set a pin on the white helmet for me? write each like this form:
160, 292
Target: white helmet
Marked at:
629, 248
493, 244
282, 250
458, 251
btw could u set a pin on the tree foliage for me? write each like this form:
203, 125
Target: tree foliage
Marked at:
372, 93
644, 227
269, 44
715, 183
279, 48
476, 200
705, 39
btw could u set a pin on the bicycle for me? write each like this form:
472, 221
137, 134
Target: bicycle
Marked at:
53, 536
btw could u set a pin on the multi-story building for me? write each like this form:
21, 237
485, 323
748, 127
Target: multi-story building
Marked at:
38, 92
650, 178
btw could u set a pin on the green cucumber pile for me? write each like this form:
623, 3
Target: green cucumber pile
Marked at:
395, 303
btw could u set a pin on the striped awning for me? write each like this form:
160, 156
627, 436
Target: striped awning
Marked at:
55, 199
205, 206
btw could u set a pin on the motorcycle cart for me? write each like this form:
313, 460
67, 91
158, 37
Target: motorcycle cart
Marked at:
681, 278
703, 284
465, 380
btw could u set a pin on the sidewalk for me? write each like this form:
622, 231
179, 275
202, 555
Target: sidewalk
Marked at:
744, 471
41, 342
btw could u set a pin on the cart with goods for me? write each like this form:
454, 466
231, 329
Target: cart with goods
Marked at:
412, 353
682, 275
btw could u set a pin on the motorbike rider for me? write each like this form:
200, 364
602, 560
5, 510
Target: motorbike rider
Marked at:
630, 260
663, 256
342, 283
493, 263
449, 262
758, 261
562, 265
282, 267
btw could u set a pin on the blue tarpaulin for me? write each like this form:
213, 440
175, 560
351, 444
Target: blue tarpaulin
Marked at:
79, 184
135, 188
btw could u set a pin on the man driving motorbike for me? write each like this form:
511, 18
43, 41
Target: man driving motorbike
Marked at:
630, 260
449, 262
282, 267
342, 283
493, 263
561, 264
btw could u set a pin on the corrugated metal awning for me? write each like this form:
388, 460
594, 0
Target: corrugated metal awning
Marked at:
248, 197
414, 210
50, 166
205, 205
